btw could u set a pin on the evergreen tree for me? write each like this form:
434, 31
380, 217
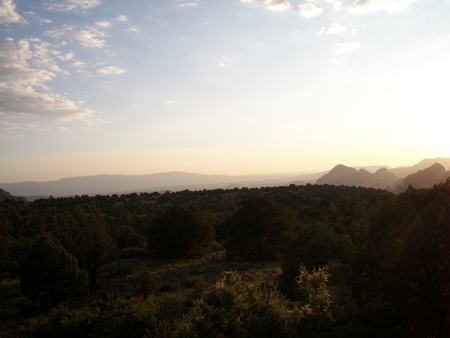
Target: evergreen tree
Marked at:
50, 273
259, 230
180, 232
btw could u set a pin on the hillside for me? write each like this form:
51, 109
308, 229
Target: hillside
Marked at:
369, 176
342, 175
425, 174
254, 271
4, 195
427, 177
122, 184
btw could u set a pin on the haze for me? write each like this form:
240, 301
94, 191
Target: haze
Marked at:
231, 87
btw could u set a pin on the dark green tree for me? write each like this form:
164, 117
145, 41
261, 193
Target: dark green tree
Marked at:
259, 230
315, 245
146, 282
94, 248
51, 274
180, 232
408, 265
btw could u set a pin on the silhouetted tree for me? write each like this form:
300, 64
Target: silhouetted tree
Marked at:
259, 230
180, 232
94, 247
50, 273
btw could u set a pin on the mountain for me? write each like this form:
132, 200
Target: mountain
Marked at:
342, 175
428, 177
402, 172
4, 195
125, 184
425, 174
369, 176
337, 176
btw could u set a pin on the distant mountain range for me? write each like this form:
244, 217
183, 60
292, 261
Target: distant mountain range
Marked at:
126, 184
422, 175
425, 174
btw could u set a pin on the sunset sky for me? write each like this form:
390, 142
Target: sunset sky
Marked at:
220, 86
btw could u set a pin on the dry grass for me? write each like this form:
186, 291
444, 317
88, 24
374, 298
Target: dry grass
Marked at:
173, 272
176, 276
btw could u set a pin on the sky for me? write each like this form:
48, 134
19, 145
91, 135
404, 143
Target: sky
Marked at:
231, 87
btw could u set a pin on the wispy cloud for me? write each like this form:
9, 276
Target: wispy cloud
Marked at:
71, 5
24, 70
19, 100
337, 4
121, 18
309, 10
42, 56
89, 37
103, 24
14, 66
8, 12
111, 70
277, 5
363, 6
66, 57
13, 127
79, 64
188, 4
341, 49
334, 28
45, 21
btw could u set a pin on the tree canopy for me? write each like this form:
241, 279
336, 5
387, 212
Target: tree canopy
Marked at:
180, 232
50, 273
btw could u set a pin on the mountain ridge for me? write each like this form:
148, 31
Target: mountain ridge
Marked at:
380, 177
386, 179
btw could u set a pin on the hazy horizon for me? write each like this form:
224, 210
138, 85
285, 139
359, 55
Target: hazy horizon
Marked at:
220, 87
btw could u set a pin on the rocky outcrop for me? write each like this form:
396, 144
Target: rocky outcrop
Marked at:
427, 178
4, 195
337, 176
342, 175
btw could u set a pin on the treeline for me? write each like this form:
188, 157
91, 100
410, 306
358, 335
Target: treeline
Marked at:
354, 262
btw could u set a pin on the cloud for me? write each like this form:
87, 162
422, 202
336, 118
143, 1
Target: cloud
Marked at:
121, 18
334, 28
17, 101
8, 12
14, 66
337, 4
71, 5
111, 70
66, 57
42, 56
363, 6
12, 127
188, 4
86, 37
45, 21
277, 5
309, 10
343, 48
79, 64
103, 24
22, 83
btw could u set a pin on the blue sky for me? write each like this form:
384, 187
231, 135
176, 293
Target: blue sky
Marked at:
220, 86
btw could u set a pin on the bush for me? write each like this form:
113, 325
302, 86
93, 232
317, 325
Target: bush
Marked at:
50, 274
259, 230
180, 232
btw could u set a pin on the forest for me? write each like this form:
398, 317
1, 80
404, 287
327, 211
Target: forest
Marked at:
305, 261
